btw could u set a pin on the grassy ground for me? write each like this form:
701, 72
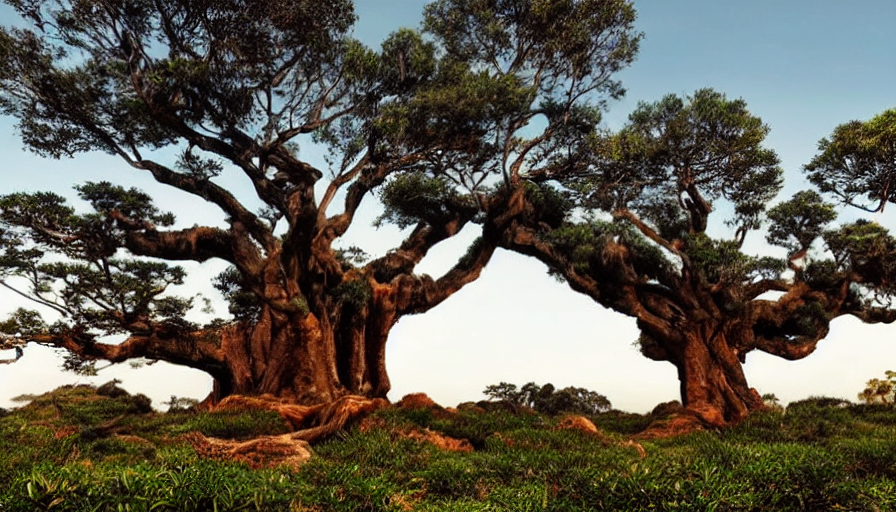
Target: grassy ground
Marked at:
74, 450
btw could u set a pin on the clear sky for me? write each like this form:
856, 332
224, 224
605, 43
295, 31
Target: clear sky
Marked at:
804, 66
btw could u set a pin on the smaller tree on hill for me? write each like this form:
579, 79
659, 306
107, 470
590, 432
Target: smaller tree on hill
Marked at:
547, 399
880, 391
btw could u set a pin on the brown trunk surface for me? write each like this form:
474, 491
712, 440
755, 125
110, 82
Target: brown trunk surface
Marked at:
713, 385
303, 358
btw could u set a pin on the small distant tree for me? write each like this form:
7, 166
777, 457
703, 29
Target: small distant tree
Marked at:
547, 399
504, 392
880, 391
772, 402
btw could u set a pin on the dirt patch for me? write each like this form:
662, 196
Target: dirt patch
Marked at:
422, 401
584, 425
417, 401
441, 441
677, 425
66, 431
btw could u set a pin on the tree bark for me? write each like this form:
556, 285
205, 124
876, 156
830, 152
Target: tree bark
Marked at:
711, 377
302, 357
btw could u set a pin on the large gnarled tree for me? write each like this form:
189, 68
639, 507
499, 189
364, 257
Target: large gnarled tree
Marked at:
439, 126
642, 243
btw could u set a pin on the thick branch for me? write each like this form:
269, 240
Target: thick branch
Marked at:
756, 289
197, 349
197, 244
649, 303
875, 315
698, 208
789, 348
413, 249
214, 194
647, 231
428, 293
369, 177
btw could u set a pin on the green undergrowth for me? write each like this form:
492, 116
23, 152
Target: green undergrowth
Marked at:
75, 450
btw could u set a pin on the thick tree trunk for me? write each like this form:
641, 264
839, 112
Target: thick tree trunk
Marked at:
302, 358
713, 385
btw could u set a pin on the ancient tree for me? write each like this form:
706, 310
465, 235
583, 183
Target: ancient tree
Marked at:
631, 224
436, 125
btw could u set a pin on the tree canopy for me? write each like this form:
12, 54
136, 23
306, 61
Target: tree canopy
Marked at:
634, 234
857, 164
439, 125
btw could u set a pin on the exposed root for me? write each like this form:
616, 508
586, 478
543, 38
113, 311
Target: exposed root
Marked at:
311, 422
264, 452
638, 448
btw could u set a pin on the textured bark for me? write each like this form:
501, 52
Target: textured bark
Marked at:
713, 385
308, 358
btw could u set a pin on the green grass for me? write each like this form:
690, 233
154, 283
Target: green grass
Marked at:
75, 451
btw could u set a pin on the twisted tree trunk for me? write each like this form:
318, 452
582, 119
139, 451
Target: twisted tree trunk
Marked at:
308, 357
713, 385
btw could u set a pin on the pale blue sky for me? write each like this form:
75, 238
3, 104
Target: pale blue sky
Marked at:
804, 66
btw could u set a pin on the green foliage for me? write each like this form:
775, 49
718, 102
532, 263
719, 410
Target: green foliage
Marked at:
133, 204
548, 400
208, 72
233, 424
720, 261
71, 263
868, 249
659, 177
559, 36
23, 321
411, 198
352, 256
243, 304
552, 206
590, 246
858, 162
181, 404
796, 223
814, 457
355, 293
678, 155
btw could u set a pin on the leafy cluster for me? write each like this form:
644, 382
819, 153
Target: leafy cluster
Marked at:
72, 263
857, 163
548, 400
